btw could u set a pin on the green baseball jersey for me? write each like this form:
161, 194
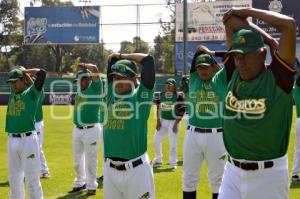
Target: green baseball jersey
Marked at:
258, 114
125, 133
296, 96
86, 108
103, 105
39, 110
167, 105
205, 100
21, 109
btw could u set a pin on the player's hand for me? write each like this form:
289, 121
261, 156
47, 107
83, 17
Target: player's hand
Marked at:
175, 127
22, 68
81, 66
158, 125
204, 49
240, 12
113, 55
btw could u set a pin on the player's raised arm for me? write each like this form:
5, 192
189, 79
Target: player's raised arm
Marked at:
40, 77
91, 67
284, 24
28, 80
112, 59
148, 69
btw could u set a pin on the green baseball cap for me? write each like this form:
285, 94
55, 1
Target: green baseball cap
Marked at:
13, 75
245, 41
171, 81
124, 68
82, 74
204, 60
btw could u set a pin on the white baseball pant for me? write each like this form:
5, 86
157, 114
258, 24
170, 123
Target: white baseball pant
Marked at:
197, 148
186, 120
39, 127
270, 183
166, 126
132, 183
85, 146
24, 160
296, 165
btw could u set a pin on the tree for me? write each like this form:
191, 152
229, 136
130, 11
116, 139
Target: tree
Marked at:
163, 54
9, 27
138, 45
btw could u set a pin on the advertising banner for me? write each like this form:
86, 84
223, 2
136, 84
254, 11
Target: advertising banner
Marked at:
62, 25
286, 7
205, 19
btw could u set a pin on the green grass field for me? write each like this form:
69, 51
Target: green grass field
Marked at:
58, 150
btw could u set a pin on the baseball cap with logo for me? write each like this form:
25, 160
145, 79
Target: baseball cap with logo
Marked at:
13, 75
171, 81
245, 41
204, 60
124, 68
82, 74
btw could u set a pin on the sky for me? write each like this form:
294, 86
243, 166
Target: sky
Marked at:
112, 35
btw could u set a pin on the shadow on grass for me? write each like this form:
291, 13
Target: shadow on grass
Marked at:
160, 170
180, 163
4, 184
78, 195
295, 185
81, 195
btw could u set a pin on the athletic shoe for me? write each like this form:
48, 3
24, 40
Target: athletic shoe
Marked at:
155, 162
91, 192
295, 178
77, 189
173, 167
45, 175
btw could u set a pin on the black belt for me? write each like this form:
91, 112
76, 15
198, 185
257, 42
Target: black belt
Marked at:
19, 135
250, 165
85, 127
122, 167
204, 130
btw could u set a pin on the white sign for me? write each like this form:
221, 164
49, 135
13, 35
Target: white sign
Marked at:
205, 19
60, 99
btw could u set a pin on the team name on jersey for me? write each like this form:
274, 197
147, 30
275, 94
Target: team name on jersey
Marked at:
206, 101
16, 106
249, 106
166, 106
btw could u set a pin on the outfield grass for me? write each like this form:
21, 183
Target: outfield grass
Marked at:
58, 150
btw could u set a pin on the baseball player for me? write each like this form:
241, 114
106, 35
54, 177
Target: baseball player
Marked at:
23, 146
127, 170
296, 96
203, 139
102, 121
184, 87
39, 126
168, 108
258, 106
87, 128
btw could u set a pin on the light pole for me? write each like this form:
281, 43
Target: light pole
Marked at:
185, 31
